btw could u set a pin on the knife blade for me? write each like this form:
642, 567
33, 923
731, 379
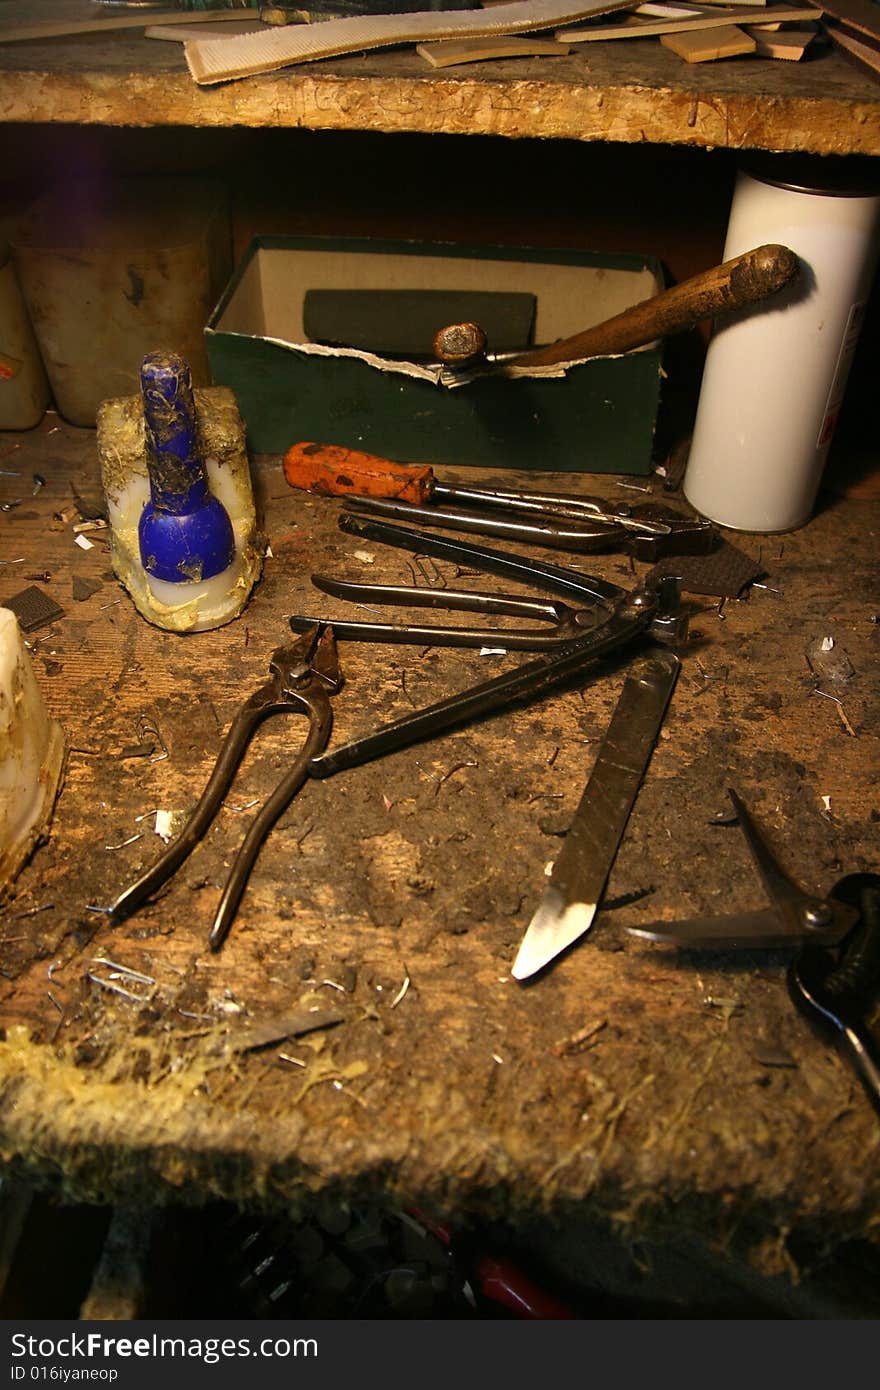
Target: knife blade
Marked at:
578, 877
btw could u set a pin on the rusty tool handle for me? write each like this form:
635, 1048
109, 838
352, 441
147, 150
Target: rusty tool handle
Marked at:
744, 280
334, 471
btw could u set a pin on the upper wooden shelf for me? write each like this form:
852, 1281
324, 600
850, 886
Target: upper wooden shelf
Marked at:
632, 92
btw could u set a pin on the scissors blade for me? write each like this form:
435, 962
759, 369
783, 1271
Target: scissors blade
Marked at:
764, 927
577, 880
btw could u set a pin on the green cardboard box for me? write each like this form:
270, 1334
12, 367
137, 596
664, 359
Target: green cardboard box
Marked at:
595, 416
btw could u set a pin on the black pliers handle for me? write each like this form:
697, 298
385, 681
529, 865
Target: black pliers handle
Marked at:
836, 988
612, 620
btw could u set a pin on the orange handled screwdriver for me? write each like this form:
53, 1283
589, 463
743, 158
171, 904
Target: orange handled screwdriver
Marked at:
334, 471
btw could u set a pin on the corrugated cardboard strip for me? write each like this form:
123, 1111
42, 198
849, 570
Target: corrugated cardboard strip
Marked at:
221, 59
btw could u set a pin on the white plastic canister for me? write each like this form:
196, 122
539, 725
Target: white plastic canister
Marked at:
24, 390
32, 749
775, 374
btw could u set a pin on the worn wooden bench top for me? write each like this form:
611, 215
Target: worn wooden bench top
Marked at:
627, 1085
630, 93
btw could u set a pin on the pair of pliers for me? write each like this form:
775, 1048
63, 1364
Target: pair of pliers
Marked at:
584, 601
646, 532
304, 675
601, 621
835, 974
596, 612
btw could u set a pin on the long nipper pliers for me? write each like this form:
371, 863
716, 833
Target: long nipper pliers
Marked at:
597, 621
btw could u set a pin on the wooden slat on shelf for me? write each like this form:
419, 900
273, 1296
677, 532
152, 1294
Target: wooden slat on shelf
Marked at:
182, 33
70, 28
654, 28
865, 54
455, 51
830, 107
861, 15
705, 45
789, 45
655, 9
857, 32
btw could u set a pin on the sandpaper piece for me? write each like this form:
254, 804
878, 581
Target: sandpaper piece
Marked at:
723, 574
33, 608
83, 588
219, 60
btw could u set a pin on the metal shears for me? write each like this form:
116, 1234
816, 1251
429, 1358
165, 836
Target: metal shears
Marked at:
836, 972
793, 918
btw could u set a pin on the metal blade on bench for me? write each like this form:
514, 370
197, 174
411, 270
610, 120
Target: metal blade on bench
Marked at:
578, 877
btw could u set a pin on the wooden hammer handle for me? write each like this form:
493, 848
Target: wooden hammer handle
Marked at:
746, 279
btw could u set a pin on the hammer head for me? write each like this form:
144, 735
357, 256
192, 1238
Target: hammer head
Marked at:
459, 344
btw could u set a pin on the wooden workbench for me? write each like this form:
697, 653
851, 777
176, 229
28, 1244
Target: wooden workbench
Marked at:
634, 92
637, 1118
642, 1097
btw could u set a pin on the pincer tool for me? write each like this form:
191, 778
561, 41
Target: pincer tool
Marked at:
304, 675
836, 988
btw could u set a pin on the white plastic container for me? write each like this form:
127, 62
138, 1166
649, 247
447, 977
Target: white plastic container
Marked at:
775, 374
112, 269
24, 389
32, 753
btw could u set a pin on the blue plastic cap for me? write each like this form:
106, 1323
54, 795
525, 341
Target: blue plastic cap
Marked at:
186, 549
185, 534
